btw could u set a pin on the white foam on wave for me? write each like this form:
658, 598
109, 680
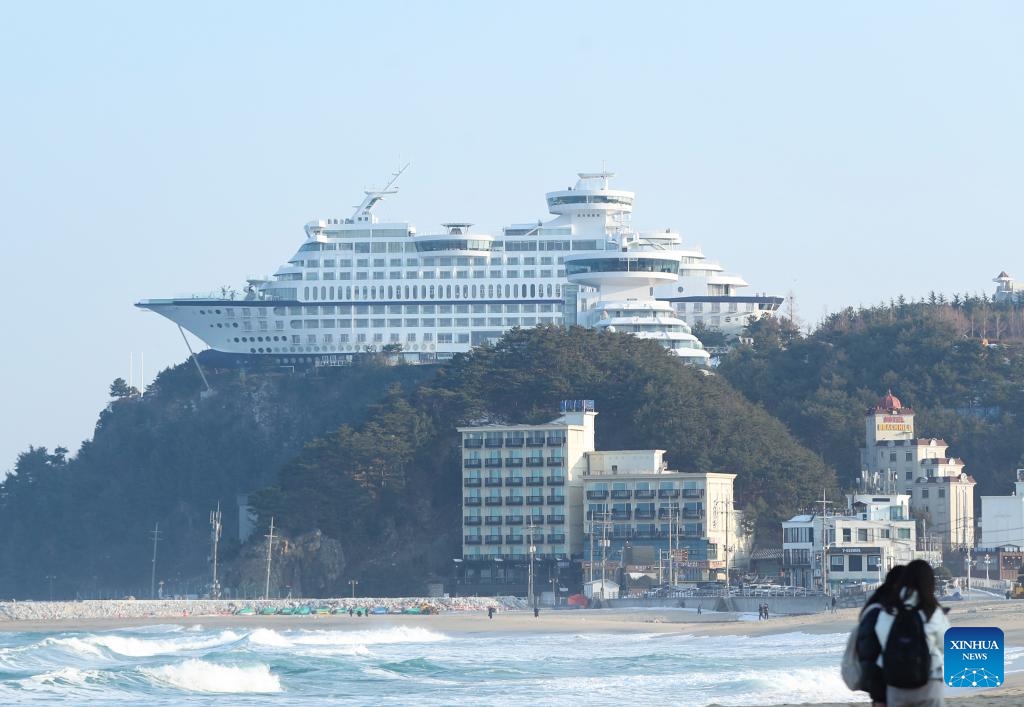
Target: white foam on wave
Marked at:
339, 639
144, 647
791, 686
201, 676
64, 677
82, 646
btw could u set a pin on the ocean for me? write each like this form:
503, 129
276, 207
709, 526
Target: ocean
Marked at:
418, 665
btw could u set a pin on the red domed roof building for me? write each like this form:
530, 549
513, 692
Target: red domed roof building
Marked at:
893, 460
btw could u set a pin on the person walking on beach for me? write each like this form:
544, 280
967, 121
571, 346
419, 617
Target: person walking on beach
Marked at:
868, 647
490, 612
917, 593
833, 603
699, 607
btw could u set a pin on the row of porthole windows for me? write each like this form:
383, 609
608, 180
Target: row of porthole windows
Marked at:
350, 348
221, 326
209, 311
407, 292
260, 338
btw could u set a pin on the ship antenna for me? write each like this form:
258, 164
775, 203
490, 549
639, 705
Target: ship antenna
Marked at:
375, 195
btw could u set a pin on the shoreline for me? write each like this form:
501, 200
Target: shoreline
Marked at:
471, 618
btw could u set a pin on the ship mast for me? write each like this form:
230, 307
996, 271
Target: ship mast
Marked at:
374, 195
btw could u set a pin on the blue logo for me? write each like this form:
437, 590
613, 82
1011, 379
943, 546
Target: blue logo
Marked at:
973, 656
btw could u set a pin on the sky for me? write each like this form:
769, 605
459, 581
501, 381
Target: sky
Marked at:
840, 153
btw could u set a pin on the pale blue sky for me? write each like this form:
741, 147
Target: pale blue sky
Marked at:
847, 152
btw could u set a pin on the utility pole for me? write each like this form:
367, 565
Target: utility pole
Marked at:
824, 544
270, 545
728, 506
215, 527
604, 549
592, 546
529, 574
671, 549
155, 532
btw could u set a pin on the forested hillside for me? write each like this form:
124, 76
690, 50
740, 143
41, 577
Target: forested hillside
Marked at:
359, 466
166, 458
964, 389
390, 490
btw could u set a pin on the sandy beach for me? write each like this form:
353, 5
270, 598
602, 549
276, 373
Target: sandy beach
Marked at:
1006, 615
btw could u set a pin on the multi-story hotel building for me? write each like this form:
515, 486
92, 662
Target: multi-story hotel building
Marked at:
894, 461
521, 489
641, 515
543, 491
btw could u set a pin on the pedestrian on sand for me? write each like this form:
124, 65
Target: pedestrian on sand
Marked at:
536, 612
917, 591
699, 606
868, 647
766, 611
833, 603
490, 612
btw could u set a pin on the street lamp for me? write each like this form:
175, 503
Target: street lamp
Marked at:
353, 583
457, 561
988, 561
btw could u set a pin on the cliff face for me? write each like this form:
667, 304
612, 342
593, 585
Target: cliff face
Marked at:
304, 566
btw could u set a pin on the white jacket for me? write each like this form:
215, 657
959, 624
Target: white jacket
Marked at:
934, 632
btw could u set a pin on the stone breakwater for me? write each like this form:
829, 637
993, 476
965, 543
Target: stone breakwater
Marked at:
167, 608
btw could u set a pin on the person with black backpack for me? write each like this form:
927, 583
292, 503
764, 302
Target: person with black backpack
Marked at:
872, 680
911, 636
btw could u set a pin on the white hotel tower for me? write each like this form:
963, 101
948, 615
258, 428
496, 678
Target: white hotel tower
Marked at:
357, 284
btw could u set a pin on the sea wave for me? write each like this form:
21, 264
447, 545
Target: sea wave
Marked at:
382, 636
201, 676
65, 677
144, 647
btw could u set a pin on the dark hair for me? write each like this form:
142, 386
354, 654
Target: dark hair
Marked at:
887, 593
919, 577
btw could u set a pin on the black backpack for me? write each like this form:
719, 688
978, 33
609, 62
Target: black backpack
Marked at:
906, 660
